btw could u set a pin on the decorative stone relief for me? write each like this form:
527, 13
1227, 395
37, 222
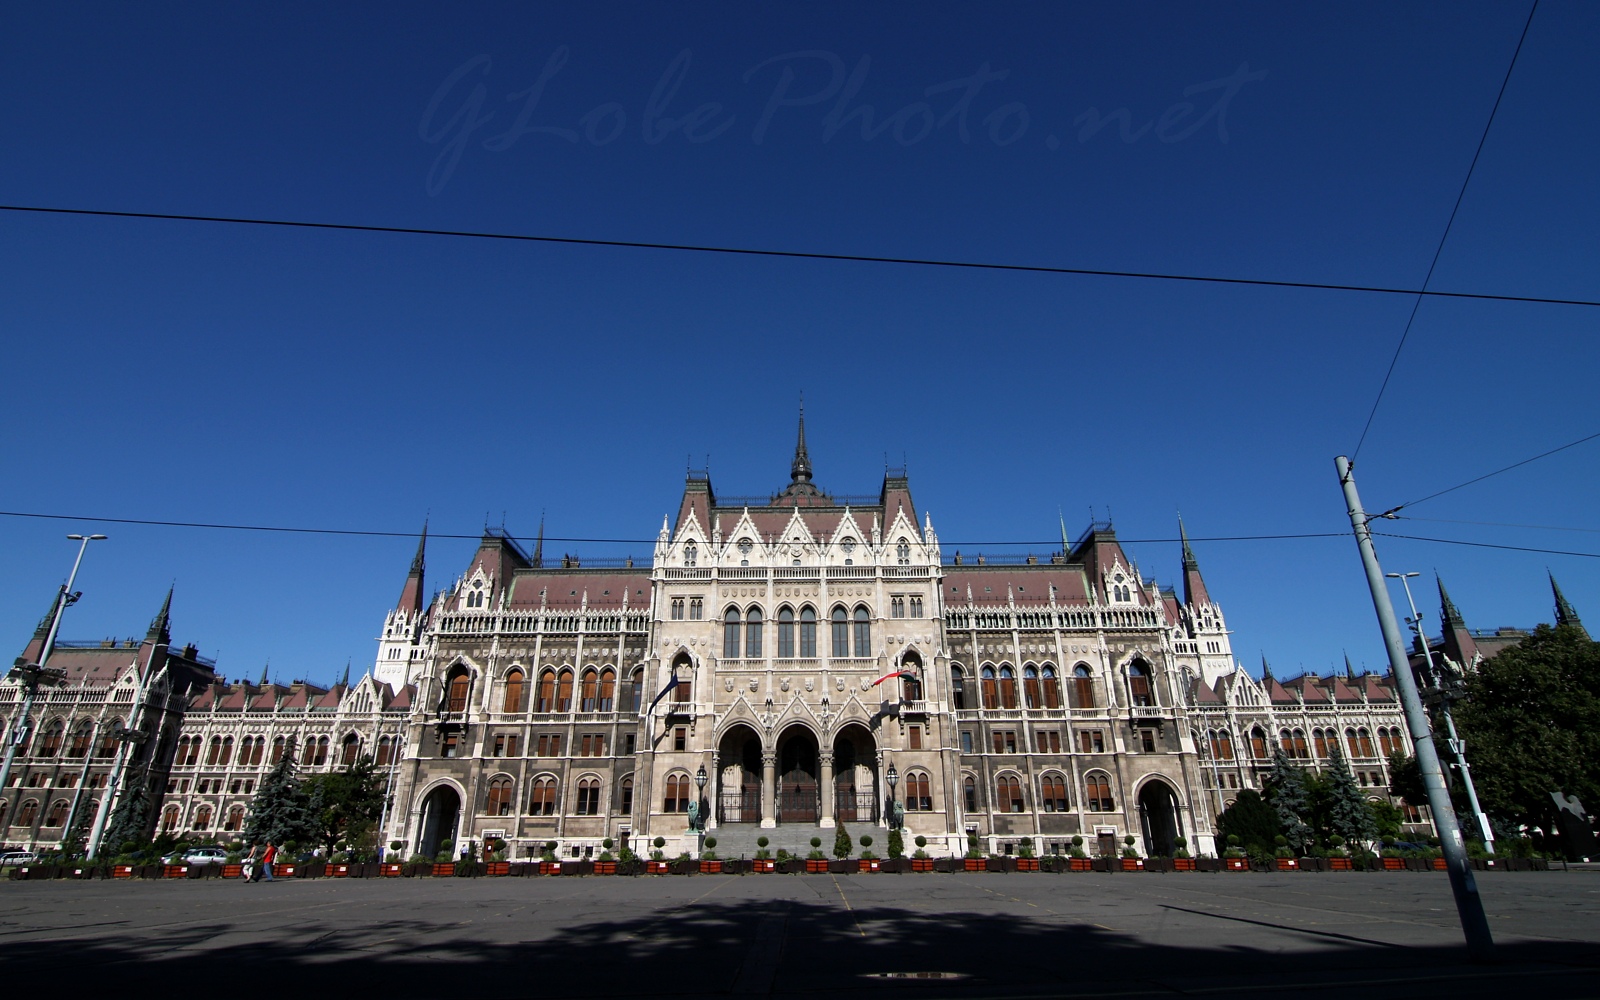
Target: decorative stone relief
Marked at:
783, 685
754, 683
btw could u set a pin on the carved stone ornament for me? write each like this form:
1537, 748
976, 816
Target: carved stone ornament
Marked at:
811, 684
754, 683
727, 685
838, 682
783, 685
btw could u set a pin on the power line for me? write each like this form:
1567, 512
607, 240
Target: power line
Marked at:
1490, 545
1445, 235
1496, 524
802, 255
1490, 475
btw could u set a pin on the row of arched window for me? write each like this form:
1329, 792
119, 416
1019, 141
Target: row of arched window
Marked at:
171, 818
1041, 687
56, 816
596, 690
1010, 796
544, 796
850, 632
1358, 743
53, 740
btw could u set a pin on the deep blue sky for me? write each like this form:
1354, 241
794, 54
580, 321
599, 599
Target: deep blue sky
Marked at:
189, 371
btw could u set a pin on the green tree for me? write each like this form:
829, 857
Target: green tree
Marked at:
1290, 798
344, 805
1250, 819
131, 820
1405, 779
1348, 815
841, 843
1531, 721
280, 811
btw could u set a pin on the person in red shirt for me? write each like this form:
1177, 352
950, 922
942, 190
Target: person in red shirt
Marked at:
267, 859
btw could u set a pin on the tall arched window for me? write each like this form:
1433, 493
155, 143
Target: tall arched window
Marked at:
107, 747
1009, 794
322, 751
202, 818
785, 633
863, 633
514, 689
1224, 744
1139, 683
1258, 744
608, 691
82, 737
258, 751
625, 796
50, 745
169, 819
214, 751
588, 797
1350, 739
277, 750
991, 690
841, 633
227, 750
730, 634
676, 799
969, 793
808, 632
1365, 740
501, 795
385, 751
1097, 793
752, 633
958, 688
459, 685
542, 800
691, 554
1008, 686
564, 691
1082, 687
1051, 686
590, 691
1053, 793
350, 749
547, 692
57, 816
235, 820
919, 795
635, 691
1031, 694
902, 553
1300, 751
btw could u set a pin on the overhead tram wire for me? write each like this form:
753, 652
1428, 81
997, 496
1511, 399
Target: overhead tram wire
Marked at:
802, 255
1460, 195
1496, 524
1489, 545
1393, 511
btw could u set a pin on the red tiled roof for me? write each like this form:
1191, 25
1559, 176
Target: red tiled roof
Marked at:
1028, 584
567, 587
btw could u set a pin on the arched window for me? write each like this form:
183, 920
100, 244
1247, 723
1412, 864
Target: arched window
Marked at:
107, 747
227, 750
259, 751
1139, 683
919, 796
235, 820
625, 796
385, 751
1097, 793
202, 818
82, 737
1031, 694
991, 690
969, 793
1300, 751
564, 691
863, 633
808, 633
459, 685
1365, 740
590, 691
1389, 741
1286, 741
1050, 685
910, 685
1319, 743
958, 688
588, 797
214, 751
57, 816
542, 801
1258, 744
608, 691
677, 794
50, 745
501, 795
691, 554
841, 633
1224, 744
1009, 794
547, 692
752, 633
1053, 793
635, 691
514, 688
785, 633
1350, 739
277, 750
350, 749
683, 668
730, 634
169, 819
1082, 687
902, 553
1008, 686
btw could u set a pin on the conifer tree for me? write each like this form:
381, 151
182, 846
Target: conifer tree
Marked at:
1348, 814
281, 808
128, 822
841, 843
1289, 798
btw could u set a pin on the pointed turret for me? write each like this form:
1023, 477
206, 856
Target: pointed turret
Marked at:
344, 681
1565, 615
800, 468
1457, 643
538, 546
1349, 668
1266, 668
1449, 614
160, 631
801, 491
1194, 586
411, 594
263, 681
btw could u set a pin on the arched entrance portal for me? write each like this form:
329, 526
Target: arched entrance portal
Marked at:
797, 781
855, 776
1158, 813
440, 811
739, 759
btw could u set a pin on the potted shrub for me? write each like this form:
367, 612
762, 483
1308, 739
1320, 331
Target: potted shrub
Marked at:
920, 862
816, 861
868, 862
709, 865
657, 865
1131, 862
1393, 859
763, 863
1182, 861
1283, 857
1026, 860
974, 861
1078, 858
1234, 858
606, 863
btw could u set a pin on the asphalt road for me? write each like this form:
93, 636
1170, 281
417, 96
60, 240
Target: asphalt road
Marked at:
1330, 935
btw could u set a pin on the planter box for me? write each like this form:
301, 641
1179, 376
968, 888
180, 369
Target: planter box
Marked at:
390, 869
946, 865
1183, 864
1287, 864
338, 871
1080, 864
1236, 864
1158, 864
842, 866
84, 871
869, 865
1393, 864
286, 870
174, 871
520, 869
202, 871
793, 866
500, 868
683, 867
975, 864
1313, 864
1439, 865
1027, 864
1339, 864
710, 867
122, 871
922, 864
233, 871
653, 867
896, 866
313, 869
816, 866
1133, 864
577, 867
1208, 864
549, 868
442, 869
763, 866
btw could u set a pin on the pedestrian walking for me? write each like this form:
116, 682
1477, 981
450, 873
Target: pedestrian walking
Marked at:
250, 864
267, 859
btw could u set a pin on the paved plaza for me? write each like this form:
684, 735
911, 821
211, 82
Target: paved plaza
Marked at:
1084, 935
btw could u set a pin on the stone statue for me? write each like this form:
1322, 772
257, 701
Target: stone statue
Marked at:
694, 815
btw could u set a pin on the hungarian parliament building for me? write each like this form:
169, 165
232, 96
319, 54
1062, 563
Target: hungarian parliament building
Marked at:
784, 664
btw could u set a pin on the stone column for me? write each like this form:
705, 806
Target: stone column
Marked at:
825, 789
769, 790
714, 800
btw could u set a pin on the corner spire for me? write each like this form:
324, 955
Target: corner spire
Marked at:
417, 561
800, 468
1266, 668
1066, 547
1565, 614
161, 625
1189, 561
411, 593
1194, 585
263, 681
1448, 612
1349, 668
538, 546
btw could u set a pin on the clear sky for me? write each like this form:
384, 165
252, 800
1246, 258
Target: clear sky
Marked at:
203, 372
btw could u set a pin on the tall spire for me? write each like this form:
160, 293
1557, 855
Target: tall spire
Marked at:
1565, 615
1349, 668
1194, 586
263, 681
1449, 614
411, 594
538, 546
422, 546
161, 625
1189, 561
344, 681
1065, 548
1266, 668
800, 468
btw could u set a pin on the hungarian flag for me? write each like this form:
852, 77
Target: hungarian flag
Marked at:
674, 682
895, 673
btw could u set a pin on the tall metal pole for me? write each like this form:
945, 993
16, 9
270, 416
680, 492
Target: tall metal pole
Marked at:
30, 674
1458, 747
1469, 906
129, 735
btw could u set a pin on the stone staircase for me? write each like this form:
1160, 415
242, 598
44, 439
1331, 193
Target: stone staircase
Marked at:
738, 840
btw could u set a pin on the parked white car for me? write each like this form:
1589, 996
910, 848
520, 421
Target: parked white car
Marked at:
197, 856
10, 858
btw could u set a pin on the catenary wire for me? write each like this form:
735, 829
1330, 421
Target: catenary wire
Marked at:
802, 255
1489, 545
1496, 524
1460, 195
1489, 475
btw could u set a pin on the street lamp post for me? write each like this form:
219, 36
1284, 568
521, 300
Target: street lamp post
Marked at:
893, 778
1438, 693
31, 675
700, 779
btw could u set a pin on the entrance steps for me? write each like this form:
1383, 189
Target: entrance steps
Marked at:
738, 840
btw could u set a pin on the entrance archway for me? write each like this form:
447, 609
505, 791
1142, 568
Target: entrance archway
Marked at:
739, 760
855, 776
440, 811
797, 781
1158, 813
